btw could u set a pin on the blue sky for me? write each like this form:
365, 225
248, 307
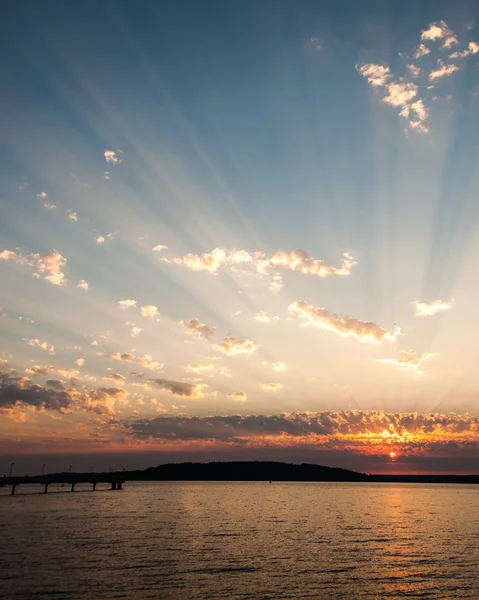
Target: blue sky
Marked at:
344, 130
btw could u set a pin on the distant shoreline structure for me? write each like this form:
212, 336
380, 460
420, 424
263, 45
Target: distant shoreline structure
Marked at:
246, 471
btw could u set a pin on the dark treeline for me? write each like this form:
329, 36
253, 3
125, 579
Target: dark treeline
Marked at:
252, 471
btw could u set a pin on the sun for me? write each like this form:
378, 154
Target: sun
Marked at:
392, 455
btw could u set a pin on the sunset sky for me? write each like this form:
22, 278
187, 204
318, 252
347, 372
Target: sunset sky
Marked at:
239, 230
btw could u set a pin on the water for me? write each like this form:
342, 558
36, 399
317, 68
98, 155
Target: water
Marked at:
242, 540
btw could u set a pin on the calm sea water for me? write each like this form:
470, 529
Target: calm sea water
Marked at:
242, 540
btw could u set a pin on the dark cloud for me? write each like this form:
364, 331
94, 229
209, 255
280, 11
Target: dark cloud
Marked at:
20, 390
178, 388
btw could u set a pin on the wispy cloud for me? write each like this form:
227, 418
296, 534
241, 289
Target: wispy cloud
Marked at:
239, 396
42, 195
442, 71
473, 48
145, 361
363, 331
407, 360
271, 266
428, 309
271, 387
279, 366
82, 284
200, 367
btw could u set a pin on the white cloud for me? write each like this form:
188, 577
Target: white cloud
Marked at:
51, 263
271, 387
199, 367
436, 31
82, 284
72, 215
42, 195
43, 345
127, 304
407, 360
106, 175
50, 206
112, 157
115, 378
450, 41
134, 331
195, 327
431, 308
159, 248
149, 310
145, 361
296, 260
422, 50
240, 396
414, 70
80, 362
377, 75
363, 331
473, 48
279, 366
400, 94
262, 317
232, 346
443, 71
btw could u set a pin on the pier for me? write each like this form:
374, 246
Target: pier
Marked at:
115, 480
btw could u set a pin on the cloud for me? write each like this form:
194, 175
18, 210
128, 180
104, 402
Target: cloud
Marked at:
148, 310
271, 387
80, 362
279, 366
414, 70
145, 361
200, 367
431, 308
195, 327
443, 71
240, 396
159, 248
36, 343
399, 94
56, 384
363, 331
42, 195
102, 400
408, 360
51, 263
422, 50
435, 31
72, 215
377, 75
68, 373
138, 375
102, 239
180, 388
115, 378
262, 317
106, 175
83, 285
112, 157
263, 265
21, 391
355, 429
127, 303
473, 48
232, 346
134, 331
50, 206
39, 370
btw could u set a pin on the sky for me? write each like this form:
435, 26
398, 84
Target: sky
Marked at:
239, 230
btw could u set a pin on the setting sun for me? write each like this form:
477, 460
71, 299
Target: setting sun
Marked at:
392, 455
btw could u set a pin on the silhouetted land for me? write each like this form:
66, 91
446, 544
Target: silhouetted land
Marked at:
251, 471
240, 471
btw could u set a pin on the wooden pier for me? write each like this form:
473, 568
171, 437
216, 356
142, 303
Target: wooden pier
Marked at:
115, 480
